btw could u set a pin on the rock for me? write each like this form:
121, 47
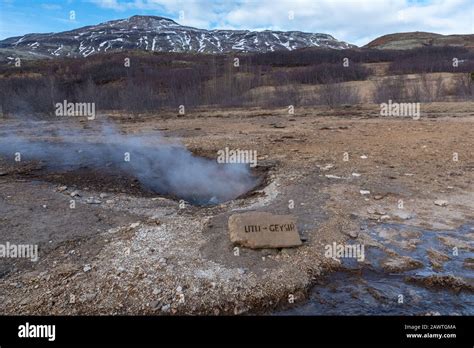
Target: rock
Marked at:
356, 175
399, 264
155, 304
330, 176
240, 309
403, 215
326, 167
441, 203
363, 157
162, 261
469, 263
3, 173
445, 282
378, 197
62, 188
87, 297
258, 230
75, 194
103, 195
352, 233
364, 192
376, 210
166, 308
452, 242
109, 201
437, 258
87, 268
92, 200
134, 225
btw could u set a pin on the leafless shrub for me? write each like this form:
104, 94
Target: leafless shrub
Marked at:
336, 94
426, 90
328, 73
284, 96
390, 88
464, 87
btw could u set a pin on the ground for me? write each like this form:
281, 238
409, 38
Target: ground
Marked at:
344, 169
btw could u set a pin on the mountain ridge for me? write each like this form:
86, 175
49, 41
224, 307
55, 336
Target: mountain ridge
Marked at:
161, 34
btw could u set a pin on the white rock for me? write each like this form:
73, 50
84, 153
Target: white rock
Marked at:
134, 225
403, 215
326, 167
92, 200
364, 192
356, 175
441, 203
363, 157
87, 268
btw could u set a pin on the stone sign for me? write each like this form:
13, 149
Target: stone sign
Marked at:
263, 230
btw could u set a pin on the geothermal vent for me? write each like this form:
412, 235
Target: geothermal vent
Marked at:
165, 169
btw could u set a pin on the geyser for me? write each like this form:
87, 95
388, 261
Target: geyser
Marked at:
164, 168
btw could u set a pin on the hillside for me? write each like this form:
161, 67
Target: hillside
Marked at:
403, 41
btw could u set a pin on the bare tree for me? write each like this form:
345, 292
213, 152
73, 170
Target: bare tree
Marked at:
336, 94
390, 88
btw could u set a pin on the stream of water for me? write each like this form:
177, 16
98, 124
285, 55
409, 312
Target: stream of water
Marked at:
367, 289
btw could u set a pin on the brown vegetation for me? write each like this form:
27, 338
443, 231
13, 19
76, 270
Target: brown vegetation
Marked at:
167, 80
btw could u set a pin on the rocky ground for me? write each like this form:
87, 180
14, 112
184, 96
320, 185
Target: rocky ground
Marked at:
122, 251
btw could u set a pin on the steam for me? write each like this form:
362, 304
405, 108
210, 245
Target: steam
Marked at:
167, 169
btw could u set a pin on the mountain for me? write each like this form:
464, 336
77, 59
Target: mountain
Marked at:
403, 41
154, 33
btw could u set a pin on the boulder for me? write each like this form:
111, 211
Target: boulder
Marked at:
258, 230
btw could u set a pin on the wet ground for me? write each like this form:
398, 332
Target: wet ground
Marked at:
442, 284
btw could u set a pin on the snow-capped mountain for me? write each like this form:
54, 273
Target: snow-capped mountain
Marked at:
162, 34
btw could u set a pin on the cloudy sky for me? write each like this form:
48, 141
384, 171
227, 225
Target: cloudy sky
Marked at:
354, 21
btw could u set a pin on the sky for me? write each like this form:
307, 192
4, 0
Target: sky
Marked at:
354, 21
